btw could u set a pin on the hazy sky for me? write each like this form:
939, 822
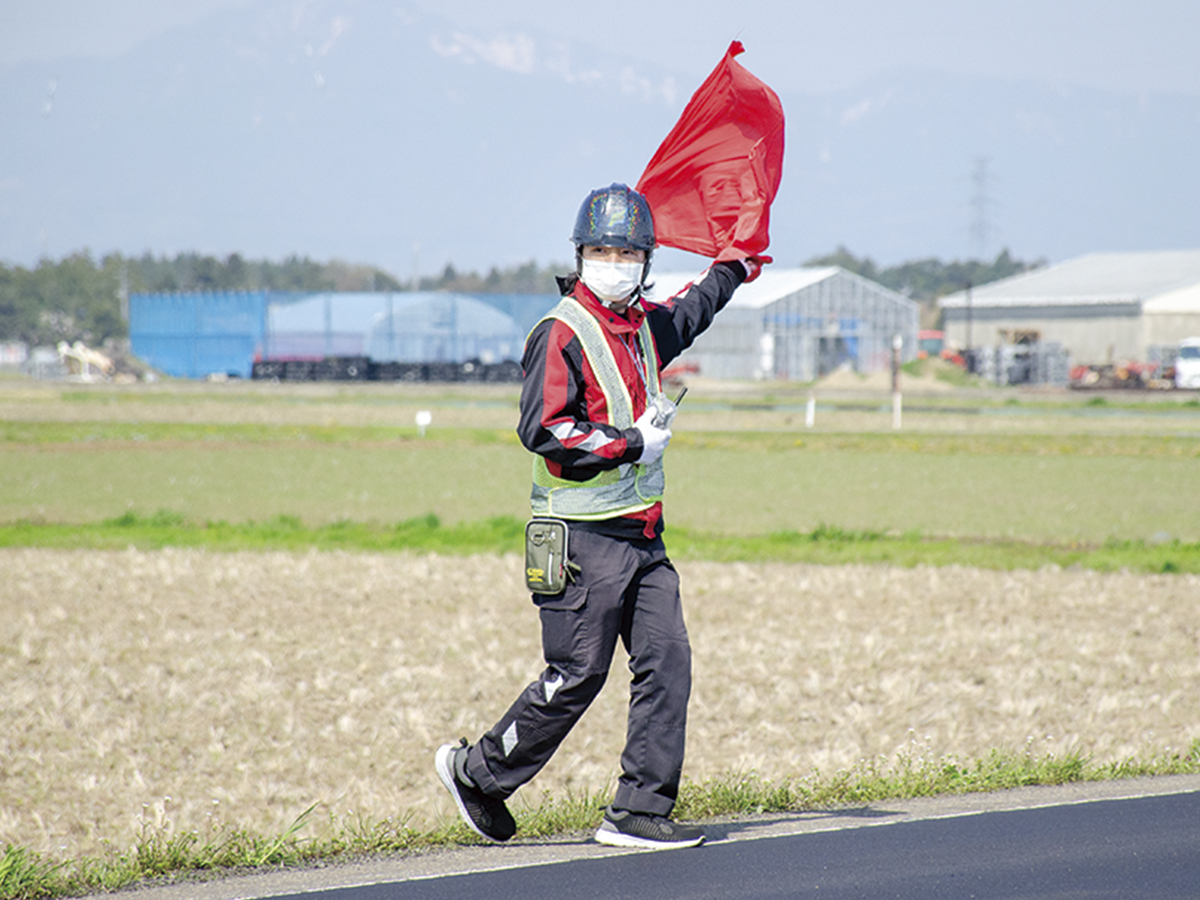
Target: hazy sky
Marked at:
796, 46
1114, 44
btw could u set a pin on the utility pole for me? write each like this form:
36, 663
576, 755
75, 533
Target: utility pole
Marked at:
970, 314
897, 346
123, 291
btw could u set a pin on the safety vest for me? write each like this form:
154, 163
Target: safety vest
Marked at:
629, 487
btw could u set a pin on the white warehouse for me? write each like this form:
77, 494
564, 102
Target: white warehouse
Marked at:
1102, 307
800, 324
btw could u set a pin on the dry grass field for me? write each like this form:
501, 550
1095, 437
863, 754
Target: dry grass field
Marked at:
193, 689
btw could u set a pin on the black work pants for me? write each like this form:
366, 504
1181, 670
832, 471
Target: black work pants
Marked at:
627, 590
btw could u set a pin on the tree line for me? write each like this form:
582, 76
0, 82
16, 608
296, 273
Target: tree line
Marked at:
193, 272
81, 298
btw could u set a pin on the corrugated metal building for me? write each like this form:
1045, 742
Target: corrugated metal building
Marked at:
404, 327
1100, 307
197, 335
791, 324
801, 324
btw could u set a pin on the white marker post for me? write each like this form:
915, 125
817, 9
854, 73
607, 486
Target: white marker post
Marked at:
810, 412
424, 419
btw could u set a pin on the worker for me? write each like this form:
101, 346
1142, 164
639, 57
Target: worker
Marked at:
593, 413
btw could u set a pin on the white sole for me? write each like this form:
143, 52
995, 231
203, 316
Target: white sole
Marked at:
619, 839
443, 760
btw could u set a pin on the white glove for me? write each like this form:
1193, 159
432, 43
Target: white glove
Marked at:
654, 439
665, 410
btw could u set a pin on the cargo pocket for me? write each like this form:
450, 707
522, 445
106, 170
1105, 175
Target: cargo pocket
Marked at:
564, 624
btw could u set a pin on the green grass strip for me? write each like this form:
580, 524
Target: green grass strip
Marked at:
824, 545
834, 546
43, 434
46, 434
162, 856
933, 443
165, 528
318, 393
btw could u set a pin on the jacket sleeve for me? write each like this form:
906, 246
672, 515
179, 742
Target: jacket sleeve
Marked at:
554, 419
677, 322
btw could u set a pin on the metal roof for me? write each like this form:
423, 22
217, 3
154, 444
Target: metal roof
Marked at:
1185, 300
1095, 279
358, 311
771, 285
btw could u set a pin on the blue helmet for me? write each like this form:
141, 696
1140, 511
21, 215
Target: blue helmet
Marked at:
615, 216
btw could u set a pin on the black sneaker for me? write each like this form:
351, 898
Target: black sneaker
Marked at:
621, 828
487, 816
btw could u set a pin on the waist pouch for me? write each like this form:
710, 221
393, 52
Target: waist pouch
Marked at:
547, 568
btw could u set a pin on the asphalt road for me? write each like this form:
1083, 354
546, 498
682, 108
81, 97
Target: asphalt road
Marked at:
1126, 839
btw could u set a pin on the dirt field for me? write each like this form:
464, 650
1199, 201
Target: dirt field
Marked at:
193, 688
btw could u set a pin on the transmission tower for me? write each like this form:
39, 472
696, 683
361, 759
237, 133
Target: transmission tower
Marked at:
982, 227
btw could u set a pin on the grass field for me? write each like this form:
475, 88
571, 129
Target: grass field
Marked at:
741, 464
742, 490
166, 691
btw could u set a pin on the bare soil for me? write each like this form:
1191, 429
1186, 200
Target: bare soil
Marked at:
193, 689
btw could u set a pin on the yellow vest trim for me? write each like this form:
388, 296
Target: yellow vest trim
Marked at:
614, 492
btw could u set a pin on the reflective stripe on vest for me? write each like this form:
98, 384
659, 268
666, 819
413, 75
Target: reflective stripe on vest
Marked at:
629, 487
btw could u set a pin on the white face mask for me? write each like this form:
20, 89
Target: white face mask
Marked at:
612, 282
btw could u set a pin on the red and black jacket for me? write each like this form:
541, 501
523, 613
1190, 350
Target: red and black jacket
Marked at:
563, 413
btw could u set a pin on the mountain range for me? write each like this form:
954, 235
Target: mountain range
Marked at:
375, 133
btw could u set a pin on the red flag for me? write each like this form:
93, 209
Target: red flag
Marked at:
712, 181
